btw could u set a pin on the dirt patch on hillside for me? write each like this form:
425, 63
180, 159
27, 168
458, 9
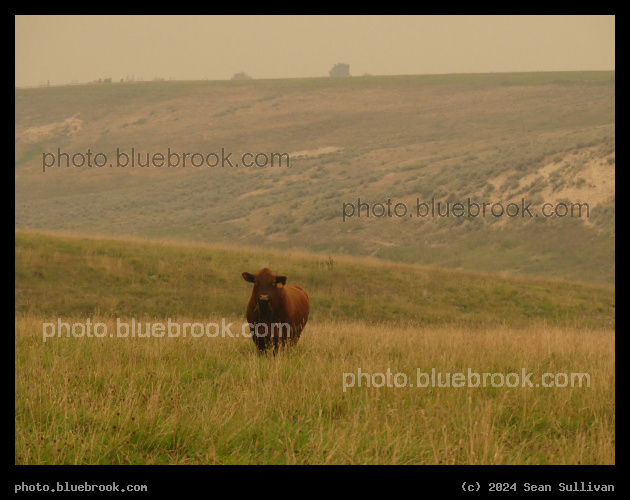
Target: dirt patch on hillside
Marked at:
252, 193
311, 153
584, 177
69, 126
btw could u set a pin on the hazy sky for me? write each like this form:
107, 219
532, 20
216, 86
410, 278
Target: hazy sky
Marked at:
63, 49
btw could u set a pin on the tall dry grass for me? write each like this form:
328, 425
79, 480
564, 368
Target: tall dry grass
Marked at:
214, 400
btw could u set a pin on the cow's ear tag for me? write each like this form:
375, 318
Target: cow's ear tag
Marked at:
279, 285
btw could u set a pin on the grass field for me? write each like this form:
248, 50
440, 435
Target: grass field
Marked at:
391, 298
214, 400
188, 400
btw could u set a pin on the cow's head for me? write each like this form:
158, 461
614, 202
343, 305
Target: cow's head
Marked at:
266, 284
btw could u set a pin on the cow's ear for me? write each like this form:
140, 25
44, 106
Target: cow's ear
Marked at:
281, 279
248, 277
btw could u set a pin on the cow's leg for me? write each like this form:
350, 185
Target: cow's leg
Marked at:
276, 342
260, 342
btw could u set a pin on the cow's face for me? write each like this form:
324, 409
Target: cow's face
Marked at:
266, 284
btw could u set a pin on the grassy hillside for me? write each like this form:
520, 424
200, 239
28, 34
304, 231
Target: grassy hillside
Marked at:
69, 276
213, 400
546, 137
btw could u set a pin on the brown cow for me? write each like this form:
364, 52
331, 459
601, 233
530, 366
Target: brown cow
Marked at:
276, 312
